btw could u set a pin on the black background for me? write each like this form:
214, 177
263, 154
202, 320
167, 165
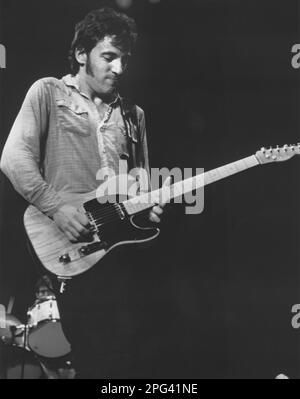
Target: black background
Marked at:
213, 297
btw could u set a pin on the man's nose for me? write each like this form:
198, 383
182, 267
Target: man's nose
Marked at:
117, 66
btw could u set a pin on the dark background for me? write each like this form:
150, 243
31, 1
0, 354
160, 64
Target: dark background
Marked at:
213, 297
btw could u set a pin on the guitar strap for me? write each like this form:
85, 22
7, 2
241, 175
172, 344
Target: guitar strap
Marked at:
130, 117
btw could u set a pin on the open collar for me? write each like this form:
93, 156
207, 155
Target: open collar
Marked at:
72, 81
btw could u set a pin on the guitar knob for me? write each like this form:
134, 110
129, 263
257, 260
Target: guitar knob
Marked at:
65, 258
84, 250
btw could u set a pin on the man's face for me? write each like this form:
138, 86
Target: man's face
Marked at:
43, 292
104, 66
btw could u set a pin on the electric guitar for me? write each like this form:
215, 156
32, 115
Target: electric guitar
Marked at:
114, 223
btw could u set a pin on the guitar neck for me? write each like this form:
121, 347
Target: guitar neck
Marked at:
148, 200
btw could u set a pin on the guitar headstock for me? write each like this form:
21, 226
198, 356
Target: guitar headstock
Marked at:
278, 154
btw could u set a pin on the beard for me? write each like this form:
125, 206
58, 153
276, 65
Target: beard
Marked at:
109, 91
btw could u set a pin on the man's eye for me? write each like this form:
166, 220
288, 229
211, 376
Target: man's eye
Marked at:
108, 58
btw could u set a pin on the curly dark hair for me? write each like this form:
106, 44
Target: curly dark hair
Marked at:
95, 26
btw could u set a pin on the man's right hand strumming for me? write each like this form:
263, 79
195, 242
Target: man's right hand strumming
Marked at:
73, 223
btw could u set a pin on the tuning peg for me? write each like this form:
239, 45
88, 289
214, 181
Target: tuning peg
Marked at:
278, 148
271, 149
263, 149
274, 157
268, 156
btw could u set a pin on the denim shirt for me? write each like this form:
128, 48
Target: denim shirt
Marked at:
59, 144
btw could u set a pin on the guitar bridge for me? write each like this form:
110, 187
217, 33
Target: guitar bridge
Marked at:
82, 251
90, 248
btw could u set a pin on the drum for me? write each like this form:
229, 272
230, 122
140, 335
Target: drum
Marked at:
45, 334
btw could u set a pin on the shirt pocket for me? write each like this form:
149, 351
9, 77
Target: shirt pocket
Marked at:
72, 118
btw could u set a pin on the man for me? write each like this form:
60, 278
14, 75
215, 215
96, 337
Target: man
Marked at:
67, 138
43, 289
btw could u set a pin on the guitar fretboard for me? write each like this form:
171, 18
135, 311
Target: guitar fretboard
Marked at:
178, 189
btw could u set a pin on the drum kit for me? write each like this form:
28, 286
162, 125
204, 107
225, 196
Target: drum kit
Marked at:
39, 346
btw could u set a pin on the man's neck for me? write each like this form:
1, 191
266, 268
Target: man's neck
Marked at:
98, 98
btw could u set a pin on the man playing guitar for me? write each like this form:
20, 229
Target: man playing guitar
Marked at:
66, 131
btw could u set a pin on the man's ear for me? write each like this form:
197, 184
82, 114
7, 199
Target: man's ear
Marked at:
80, 56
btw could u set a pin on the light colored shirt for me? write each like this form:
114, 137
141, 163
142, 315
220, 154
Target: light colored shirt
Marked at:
59, 143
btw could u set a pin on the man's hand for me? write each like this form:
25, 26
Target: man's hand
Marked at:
157, 210
73, 223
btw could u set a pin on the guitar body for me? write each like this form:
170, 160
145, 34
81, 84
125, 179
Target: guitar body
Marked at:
65, 259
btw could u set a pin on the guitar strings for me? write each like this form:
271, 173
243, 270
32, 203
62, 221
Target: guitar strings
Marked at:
106, 216
105, 212
112, 209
